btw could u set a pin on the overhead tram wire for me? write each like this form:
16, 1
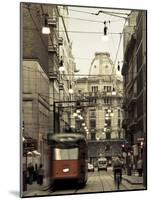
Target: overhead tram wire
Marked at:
119, 45
80, 19
74, 75
88, 20
86, 32
114, 14
100, 11
91, 32
112, 36
30, 70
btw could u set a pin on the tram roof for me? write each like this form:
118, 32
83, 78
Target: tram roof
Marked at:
67, 137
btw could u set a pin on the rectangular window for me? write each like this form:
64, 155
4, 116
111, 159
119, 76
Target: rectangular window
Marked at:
108, 88
66, 154
94, 88
119, 123
107, 100
93, 124
119, 113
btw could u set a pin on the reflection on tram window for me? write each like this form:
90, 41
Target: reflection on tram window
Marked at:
65, 154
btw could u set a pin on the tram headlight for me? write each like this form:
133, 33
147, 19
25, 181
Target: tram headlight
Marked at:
66, 170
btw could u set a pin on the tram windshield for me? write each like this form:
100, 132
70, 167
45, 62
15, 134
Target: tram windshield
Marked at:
66, 154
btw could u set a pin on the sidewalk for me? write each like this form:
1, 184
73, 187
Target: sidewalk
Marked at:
36, 189
134, 180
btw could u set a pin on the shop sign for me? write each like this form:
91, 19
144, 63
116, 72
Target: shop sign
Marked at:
140, 139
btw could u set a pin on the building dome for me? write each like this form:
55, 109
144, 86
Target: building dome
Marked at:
101, 64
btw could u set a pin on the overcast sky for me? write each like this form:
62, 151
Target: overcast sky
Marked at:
86, 44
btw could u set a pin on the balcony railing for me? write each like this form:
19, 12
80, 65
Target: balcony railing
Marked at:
52, 48
60, 41
61, 86
52, 22
53, 75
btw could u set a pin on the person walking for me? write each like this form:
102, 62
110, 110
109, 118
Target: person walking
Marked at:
30, 173
40, 175
140, 167
117, 167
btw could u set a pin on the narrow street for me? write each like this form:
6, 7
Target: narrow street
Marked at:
101, 181
83, 99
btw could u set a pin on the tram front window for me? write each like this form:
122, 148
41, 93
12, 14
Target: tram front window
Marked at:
66, 154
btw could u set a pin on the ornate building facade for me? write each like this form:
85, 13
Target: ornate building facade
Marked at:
103, 89
134, 76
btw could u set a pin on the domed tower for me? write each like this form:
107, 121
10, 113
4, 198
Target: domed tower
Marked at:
101, 64
104, 115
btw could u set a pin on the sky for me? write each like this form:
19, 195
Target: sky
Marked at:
85, 45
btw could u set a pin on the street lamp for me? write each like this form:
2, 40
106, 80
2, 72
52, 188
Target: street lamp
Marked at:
78, 111
80, 117
45, 28
75, 114
105, 37
61, 69
71, 90
107, 115
111, 114
113, 92
109, 110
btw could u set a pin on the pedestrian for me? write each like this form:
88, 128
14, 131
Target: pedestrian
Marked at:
35, 173
40, 175
30, 173
117, 167
140, 167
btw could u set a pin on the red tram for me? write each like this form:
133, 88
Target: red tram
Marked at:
69, 158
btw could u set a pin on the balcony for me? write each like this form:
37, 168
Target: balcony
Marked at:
60, 41
61, 86
53, 76
52, 22
52, 48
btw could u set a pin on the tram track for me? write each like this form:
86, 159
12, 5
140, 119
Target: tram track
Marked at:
78, 188
121, 184
104, 182
101, 181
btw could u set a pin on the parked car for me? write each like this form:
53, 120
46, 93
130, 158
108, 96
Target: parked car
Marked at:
102, 163
90, 167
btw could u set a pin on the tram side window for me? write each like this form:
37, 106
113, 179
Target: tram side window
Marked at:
66, 154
